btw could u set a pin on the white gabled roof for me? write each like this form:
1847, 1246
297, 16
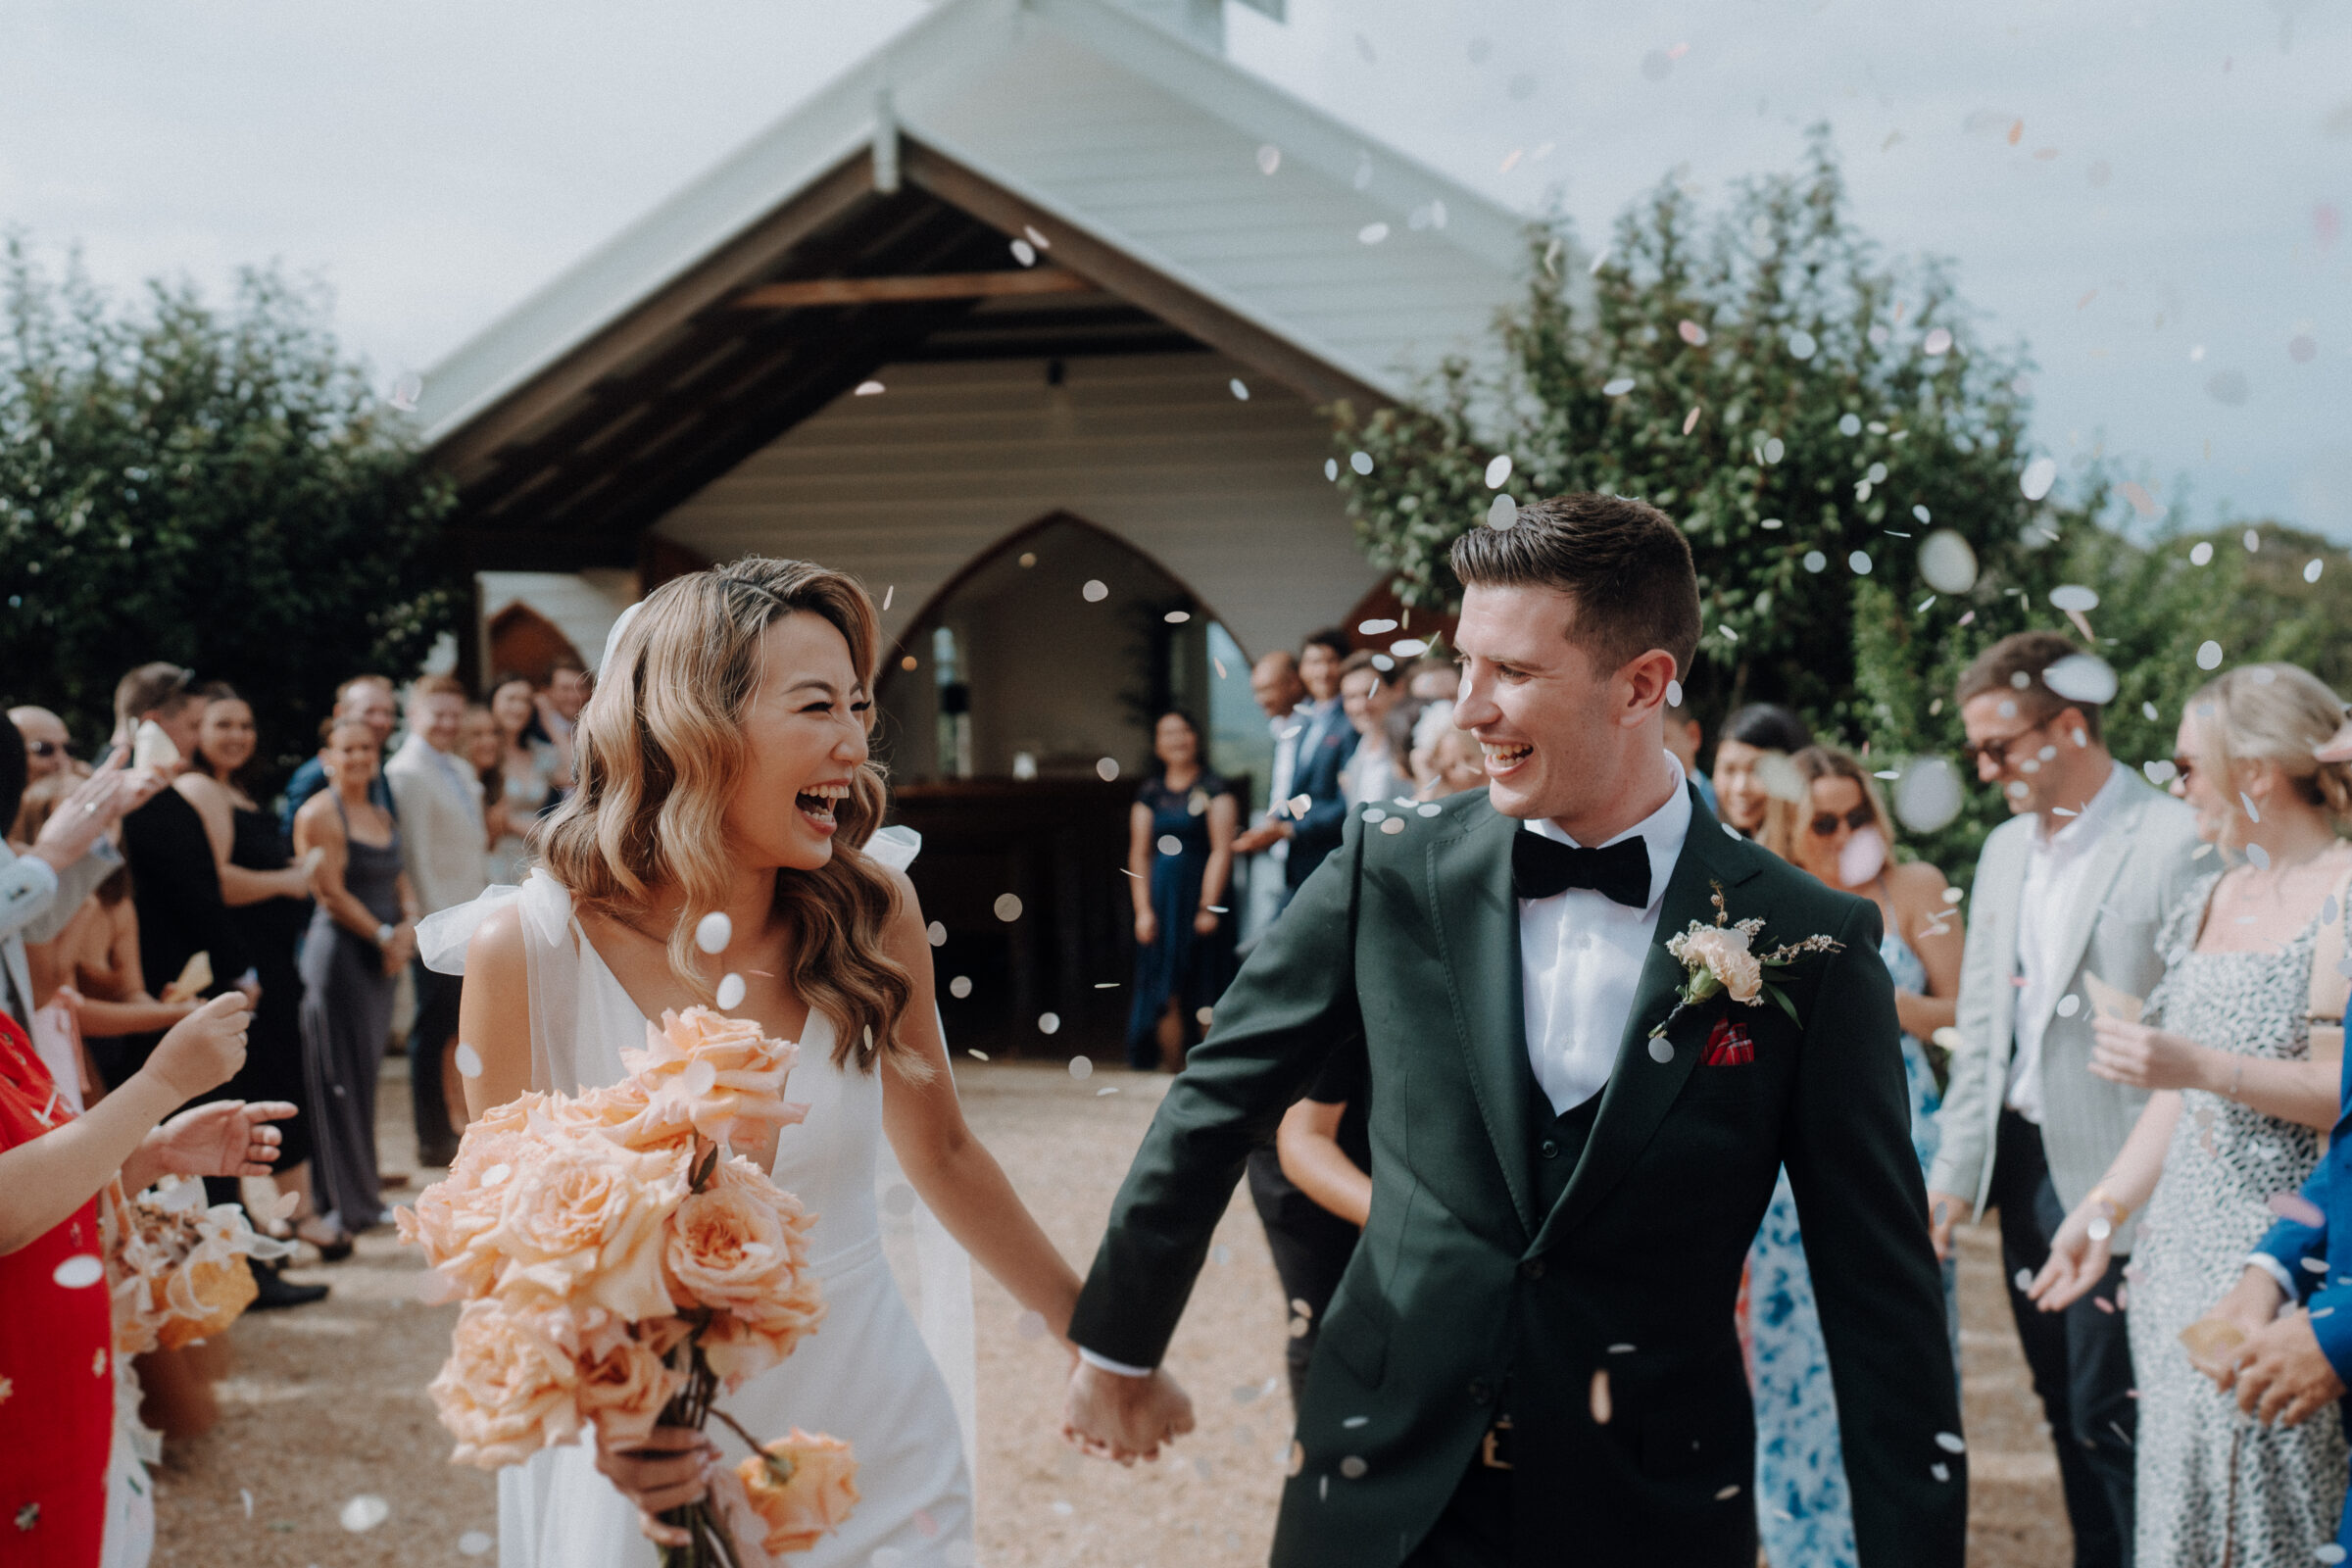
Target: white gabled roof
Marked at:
1127, 133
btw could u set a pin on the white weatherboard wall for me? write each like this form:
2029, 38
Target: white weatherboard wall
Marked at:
904, 488
583, 604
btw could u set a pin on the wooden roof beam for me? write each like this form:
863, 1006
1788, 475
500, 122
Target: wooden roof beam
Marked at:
936, 286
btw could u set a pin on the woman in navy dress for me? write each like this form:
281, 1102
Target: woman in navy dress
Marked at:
1179, 854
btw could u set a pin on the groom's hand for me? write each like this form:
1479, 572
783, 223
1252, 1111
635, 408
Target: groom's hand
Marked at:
1117, 1417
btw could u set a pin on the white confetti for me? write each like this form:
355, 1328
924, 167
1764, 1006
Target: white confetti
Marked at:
937, 933
960, 987
1498, 470
1394, 824
1330, 468
713, 931
2069, 1005
2311, 573
406, 390
1929, 795
2209, 655
1661, 1051
1814, 560
81, 1270
2258, 858
1240, 389
1802, 345
2073, 596
2039, 475
365, 1512
1361, 462
1860, 561
1372, 233
1094, 591
476, 1543
245, 1496
730, 993
1049, 1022
1008, 906
1081, 1068
2081, 678
1354, 1467
469, 1060
1618, 387
1938, 343
1269, 159
1106, 768
1940, 1471
1502, 512
867, 389
2200, 553
1947, 561
1024, 253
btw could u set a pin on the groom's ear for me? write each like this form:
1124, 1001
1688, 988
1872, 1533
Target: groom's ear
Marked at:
1645, 687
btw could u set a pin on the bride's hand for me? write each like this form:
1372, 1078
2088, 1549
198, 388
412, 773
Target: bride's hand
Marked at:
667, 1469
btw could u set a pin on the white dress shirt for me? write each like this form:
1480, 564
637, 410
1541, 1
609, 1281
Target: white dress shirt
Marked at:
2055, 865
1581, 954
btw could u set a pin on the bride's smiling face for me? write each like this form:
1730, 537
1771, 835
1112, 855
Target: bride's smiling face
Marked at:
803, 736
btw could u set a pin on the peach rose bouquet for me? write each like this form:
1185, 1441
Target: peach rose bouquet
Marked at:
619, 1264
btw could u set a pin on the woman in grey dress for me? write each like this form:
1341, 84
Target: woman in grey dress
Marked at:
2226, 1045
361, 937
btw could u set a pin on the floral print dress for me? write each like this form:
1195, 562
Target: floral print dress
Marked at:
1804, 1517
2215, 1485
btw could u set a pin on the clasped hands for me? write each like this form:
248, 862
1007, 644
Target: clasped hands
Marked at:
1112, 1417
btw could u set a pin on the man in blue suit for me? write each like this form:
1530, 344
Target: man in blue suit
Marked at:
1323, 749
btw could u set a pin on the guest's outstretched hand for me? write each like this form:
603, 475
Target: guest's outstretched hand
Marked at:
225, 1137
2077, 1258
1112, 1417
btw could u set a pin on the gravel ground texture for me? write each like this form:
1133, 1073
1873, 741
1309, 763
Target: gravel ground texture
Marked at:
324, 1404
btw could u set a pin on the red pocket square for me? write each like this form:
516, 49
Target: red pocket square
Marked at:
1729, 1045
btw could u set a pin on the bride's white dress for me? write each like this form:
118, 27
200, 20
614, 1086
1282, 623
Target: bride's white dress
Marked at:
866, 1375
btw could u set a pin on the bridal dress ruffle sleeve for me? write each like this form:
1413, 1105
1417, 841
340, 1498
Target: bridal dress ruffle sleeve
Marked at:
869, 1375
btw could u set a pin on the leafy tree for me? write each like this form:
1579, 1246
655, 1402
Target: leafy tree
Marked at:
1814, 417
218, 488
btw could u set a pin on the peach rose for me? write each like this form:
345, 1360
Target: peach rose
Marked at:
1724, 954
584, 1219
709, 1071
507, 1389
740, 1242
624, 1389
802, 1487
453, 1218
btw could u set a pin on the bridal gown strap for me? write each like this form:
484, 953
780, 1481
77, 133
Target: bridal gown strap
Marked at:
868, 1375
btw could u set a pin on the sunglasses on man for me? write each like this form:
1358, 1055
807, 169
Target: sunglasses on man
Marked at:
1996, 750
1825, 823
44, 748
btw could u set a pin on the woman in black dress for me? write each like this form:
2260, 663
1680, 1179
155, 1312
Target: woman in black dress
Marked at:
268, 900
1180, 852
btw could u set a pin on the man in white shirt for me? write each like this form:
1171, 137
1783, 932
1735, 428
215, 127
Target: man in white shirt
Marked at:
444, 847
1531, 1358
1274, 682
2073, 887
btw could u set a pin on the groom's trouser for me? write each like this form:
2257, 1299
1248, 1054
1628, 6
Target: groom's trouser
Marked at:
2080, 1359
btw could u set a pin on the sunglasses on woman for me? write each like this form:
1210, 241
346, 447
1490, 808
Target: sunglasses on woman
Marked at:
1825, 823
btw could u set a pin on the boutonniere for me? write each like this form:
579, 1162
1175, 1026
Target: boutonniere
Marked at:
1722, 957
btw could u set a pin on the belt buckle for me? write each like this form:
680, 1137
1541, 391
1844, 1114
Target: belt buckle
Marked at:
1490, 1449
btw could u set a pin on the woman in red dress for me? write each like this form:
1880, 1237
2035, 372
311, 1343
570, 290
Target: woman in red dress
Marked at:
57, 1385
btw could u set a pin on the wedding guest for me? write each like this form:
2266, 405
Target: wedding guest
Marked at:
1325, 1146
363, 929
57, 1337
1431, 682
2076, 883
1180, 852
527, 769
45, 742
1275, 686
1750, 736
1684, 735
268, 900
174, 880
443, 834
370, 700
481, 746
1843, 836
85, 982
568, 687
1366, 693
2235, 1116
1456, 763
1325, 744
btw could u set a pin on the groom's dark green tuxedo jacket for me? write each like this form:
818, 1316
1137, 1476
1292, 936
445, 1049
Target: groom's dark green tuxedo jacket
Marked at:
1489, 1282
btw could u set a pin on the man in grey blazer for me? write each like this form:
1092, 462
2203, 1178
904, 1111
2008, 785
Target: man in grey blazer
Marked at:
2072, 888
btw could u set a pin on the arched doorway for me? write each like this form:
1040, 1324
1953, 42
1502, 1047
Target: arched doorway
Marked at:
525, 643
1015, 721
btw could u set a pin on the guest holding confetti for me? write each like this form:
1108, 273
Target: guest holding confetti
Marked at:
55, 1331
2235, 1116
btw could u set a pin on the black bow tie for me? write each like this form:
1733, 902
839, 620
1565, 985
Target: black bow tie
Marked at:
1541, 867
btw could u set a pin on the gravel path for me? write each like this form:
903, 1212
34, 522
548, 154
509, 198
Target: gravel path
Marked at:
328, 1402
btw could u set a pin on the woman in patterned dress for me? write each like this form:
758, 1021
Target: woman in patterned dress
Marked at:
1841, 834
2225, 1042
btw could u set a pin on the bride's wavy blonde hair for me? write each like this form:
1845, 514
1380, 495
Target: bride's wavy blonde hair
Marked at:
659, 754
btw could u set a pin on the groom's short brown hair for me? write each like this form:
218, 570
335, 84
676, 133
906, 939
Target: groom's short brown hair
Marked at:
1623, 563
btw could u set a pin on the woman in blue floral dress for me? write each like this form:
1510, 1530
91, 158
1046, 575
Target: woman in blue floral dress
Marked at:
1841, 833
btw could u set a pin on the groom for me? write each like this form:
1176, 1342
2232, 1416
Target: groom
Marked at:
1531, 1360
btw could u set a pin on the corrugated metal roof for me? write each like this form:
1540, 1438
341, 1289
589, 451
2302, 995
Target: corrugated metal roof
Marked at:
1127, 134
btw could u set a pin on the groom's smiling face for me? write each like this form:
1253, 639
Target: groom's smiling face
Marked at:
1558, 734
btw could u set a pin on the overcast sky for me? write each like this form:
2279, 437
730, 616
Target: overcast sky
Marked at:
2166, 227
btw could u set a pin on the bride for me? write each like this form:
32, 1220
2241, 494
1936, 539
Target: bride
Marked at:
722, 771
